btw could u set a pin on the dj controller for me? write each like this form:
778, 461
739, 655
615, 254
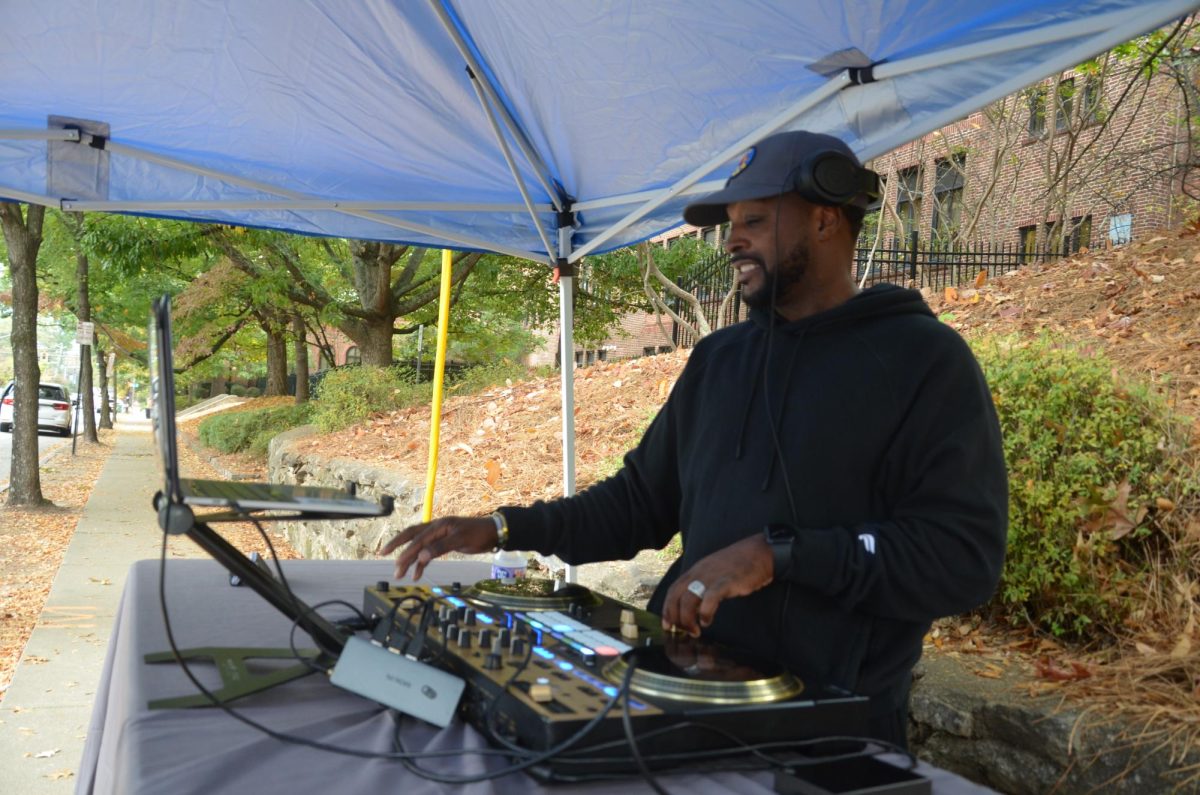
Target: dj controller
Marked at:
543, 659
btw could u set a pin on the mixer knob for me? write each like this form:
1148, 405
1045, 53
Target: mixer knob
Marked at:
456, 587
589, 658
469, 617
498, 646
518, 647
382, 586
485, 637
505, 636
452, 633
627, 617
461, 612
492, 662
464, 640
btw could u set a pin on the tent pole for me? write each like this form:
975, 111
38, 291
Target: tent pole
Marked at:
39, 135
566, 358
297, 205
831, 87
512, 165
467, 241
482, 74
439, 370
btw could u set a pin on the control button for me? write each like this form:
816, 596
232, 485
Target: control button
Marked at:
452, 633
456, 587
540, 691
518, 647
461, 612
505, 636
464, 640
627, 616
589, 658
492, 662
485, 637
469, 617
607, 651
497, 646
382, 585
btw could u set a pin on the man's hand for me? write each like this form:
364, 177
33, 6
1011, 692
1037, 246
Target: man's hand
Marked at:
434, 539
737, 570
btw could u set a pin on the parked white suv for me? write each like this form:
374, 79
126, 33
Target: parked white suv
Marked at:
54, 408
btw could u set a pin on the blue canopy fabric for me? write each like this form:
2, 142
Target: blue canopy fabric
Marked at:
361, 119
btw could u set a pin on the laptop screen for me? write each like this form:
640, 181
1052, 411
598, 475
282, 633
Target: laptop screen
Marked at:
162, 401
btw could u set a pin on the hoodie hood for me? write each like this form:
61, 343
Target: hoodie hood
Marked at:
878, 301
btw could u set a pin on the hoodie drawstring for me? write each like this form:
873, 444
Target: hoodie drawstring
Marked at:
776, 418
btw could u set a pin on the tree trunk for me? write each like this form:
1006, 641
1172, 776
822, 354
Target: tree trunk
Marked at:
107, 409
301, 355
83, 311
23, 236
277, 365
220, 385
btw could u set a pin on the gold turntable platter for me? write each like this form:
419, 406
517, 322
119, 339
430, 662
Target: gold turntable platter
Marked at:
695, 670
531, 593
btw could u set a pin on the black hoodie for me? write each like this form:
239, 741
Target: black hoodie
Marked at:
893, 459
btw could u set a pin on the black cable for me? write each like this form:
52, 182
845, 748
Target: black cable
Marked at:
627, 724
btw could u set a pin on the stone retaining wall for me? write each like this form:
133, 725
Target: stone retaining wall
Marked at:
986, 730
352, 539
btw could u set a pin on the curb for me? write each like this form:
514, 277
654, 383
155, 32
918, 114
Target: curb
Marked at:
42, 460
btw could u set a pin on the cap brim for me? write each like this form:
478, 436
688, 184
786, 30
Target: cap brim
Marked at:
710, 210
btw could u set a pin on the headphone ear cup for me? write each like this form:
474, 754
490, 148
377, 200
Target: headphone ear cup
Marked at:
834, 178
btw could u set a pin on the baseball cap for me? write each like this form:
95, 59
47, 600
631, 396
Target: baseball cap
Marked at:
785, 162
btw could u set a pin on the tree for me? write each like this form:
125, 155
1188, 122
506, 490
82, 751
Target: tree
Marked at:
23, 237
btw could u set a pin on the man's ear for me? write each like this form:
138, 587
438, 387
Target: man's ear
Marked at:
828, 220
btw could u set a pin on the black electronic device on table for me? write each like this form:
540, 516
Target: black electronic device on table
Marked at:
686, 695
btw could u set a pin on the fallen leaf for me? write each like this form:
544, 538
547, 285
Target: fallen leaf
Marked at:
1145, 650
66, 772
493, 473
46, 754
951, 294
981, 279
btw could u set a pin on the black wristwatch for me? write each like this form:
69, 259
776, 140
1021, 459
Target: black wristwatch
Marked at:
782, 539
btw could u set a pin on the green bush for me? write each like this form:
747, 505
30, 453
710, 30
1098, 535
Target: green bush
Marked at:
251, 431
1087, 456
351, 394
480, 377
253, 391
237, 390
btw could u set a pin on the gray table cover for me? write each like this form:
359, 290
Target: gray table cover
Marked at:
131, 749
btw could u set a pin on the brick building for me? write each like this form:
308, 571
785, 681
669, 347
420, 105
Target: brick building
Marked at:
1079, 156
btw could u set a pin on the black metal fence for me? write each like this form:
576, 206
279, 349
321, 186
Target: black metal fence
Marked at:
939, 266
909, 264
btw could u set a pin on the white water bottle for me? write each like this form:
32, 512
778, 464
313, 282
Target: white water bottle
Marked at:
508, 563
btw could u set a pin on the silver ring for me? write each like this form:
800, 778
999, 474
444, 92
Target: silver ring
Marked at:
697, 587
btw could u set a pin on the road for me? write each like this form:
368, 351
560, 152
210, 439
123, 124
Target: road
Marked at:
47, 441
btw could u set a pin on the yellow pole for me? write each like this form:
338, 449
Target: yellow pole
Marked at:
439, 369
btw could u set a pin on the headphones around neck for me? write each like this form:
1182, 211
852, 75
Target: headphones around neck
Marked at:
829, 177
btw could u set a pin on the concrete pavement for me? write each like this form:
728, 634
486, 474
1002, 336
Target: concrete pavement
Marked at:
46, 710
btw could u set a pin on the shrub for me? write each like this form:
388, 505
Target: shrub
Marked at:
251, 431
480, 377
237, 390
1087, 456
253, 391
349, 395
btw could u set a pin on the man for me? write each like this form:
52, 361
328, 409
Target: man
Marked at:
834, 463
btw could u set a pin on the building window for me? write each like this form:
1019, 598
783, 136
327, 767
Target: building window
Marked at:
323, 362
710, 235
602, 355
1037, 112
1089, 105
353, 355
1120, 228
1028, 236
908, 200
648, 350
1064, 101
664, 348
948, 196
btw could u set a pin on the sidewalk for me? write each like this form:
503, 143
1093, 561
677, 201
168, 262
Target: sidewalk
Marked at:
47, 708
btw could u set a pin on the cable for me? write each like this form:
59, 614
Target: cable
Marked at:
627, 725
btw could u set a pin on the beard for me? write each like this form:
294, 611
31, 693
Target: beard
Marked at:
779, 280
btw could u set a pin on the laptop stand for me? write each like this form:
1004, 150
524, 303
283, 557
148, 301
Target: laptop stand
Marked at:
237, 679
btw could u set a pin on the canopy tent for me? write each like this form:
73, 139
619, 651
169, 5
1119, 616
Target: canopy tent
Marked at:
538, 128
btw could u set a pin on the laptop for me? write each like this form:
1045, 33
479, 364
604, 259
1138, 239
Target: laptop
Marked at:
239, 496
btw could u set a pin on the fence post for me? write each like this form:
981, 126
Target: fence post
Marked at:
912, 255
